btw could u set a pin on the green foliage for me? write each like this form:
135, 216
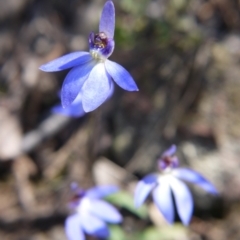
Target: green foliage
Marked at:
124, 37
134, 8
116, 233
174, 232
164, 233
125, 200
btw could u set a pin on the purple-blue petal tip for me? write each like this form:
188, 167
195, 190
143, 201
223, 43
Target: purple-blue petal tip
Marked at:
107, 20
170, 151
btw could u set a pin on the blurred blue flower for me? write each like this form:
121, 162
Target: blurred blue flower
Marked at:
92, 73
91, 213
74, 110
169, 182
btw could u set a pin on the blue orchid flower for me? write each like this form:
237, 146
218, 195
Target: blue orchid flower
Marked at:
169, 182
92, 73
92, 213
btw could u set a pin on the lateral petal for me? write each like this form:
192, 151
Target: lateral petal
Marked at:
94, 226
73, 83
67, 61
143, 188
170, 151
96, 89
74, 110
194, 177
105, 211
183, 199
163, 199
73, 228
107, 20
101, 191
121, 76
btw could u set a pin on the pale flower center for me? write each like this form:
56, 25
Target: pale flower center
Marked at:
84, 206
97, 55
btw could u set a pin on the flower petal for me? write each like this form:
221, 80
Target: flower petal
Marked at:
101, 191
143, 188
67, 61
73, 228
170, 151
73, 83
183, 199
105, 211
107, 21
96, 89
163, 199
94, 226
74, 110
121, 76
194, 177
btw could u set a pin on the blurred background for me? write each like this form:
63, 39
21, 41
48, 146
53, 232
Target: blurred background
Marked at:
184, 56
